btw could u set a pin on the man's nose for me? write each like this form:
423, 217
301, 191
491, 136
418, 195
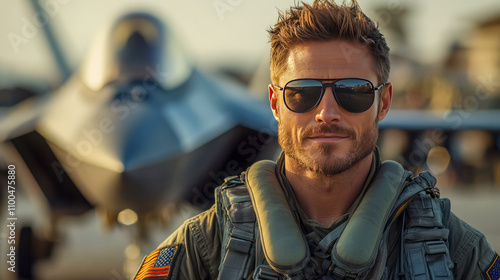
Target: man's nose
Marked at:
328, 109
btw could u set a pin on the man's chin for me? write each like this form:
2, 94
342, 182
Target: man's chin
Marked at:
334, 165
333, 162
331, 150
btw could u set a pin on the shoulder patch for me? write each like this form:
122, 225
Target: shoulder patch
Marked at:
493, 271
156, 265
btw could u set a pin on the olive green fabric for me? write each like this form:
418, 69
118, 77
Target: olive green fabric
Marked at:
358, 245
201, 240
470, 251
201, 247
278, 227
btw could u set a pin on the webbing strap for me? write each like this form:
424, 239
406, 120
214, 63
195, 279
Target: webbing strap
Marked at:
417, 258
428, 260
237, 254
238, 234
343, 274
436, 256
326, 243
232, 265
265, 272
426, 253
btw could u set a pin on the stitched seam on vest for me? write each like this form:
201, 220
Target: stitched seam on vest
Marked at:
472, 241
203, 250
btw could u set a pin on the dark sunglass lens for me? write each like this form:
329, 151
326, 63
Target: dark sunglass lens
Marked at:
302, 95
354, 95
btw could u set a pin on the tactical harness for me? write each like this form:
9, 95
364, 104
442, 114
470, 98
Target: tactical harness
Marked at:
261, 234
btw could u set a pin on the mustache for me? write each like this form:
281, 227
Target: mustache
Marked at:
328, 128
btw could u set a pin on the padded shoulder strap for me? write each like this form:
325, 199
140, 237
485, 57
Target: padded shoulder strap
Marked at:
277, 225
357, 248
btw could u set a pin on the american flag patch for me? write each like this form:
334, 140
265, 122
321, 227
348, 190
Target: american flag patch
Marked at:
157, 264
493, 271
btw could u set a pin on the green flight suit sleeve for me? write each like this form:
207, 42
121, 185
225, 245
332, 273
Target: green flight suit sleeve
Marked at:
470, 252
199, 248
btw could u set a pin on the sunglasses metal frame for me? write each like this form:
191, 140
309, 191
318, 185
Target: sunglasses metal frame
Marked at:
323, 89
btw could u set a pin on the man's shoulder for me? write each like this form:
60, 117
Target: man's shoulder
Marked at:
204, 218
198, 228
469, 249
191, 252
464, 238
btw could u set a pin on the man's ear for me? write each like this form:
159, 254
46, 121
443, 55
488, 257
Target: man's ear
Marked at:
273, 101
385, 101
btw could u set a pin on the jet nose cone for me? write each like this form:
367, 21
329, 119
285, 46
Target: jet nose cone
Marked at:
135, 56
137, 47
136, 44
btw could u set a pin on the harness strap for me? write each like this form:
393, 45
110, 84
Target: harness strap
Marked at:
239, 240
265, 272
237, 254
426, 252
326, 243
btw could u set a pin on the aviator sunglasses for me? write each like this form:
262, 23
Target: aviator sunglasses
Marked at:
354, 95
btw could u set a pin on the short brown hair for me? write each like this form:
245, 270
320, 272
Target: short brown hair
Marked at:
324, 20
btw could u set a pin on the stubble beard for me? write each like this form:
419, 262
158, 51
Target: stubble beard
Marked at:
325, 162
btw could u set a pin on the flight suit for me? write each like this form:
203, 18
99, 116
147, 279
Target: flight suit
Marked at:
196, 245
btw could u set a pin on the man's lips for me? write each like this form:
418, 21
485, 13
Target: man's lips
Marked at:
328, 133
327, 137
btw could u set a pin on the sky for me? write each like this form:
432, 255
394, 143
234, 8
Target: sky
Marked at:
213, 32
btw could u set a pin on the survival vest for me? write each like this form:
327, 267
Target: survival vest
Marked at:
262, 240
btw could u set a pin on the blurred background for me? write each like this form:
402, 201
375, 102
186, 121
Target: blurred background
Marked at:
122, 116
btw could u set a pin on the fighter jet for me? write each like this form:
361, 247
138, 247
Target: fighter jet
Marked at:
135, 128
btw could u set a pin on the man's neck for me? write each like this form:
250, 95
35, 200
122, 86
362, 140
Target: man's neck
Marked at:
326, 198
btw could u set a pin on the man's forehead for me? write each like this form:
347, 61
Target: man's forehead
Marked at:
327, 48
330, 57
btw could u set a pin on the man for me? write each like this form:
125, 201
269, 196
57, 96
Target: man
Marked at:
328, 209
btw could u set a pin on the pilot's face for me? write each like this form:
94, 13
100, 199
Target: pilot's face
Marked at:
328, 139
